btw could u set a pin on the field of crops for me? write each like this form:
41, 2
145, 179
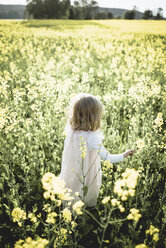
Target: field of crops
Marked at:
44, 64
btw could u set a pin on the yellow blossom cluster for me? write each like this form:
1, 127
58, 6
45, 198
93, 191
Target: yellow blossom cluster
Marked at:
126, 186
158, 122
32, 217
77, 207
134, 214
73, 224
115, 202
107, 168
51, 217
47, 208
61, 236
67, 215
18, 215
154, 232
63, 231
83, 147
55, 186
140, 144
106, 200
30, 243
3, 119
141, 246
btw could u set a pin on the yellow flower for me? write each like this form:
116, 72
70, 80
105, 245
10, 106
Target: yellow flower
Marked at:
55, 186
118, 188
156, 237
159, 120
141, 246
67, 215
51, 217
59, 202
126, 186
107, 164
63, 231
19, 243
46, 194
39, 215
115, 202
140, 144
73, 224
30, 243
48, 180
124, 195
131, 192
32, 217
83, 147
77, 207
2, 118
154, 232
47, 208
134, 214
131, 176
121, 208
106, 199
18, 215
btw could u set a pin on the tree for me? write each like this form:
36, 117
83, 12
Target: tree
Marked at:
159, 15
65, 6
148, 14
110, 15
83, 9
48, 9
71, 13
52, 9
76, 10
101, 15
130, 14
35, 8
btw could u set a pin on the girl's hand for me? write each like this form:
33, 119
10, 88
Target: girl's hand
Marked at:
128, 153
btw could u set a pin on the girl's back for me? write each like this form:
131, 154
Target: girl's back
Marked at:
81, 169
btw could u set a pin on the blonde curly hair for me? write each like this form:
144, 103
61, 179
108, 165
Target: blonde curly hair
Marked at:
86, 113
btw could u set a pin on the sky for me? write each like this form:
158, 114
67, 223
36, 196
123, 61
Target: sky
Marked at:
141, 5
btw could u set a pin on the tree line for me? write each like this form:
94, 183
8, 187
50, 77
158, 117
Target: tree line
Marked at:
80, 9
56, 9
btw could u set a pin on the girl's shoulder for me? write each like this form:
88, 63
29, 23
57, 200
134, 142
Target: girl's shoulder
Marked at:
86, 135
95, 137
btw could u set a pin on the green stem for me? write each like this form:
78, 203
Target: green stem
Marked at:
105, 228
116, 221
160, 209
91, 215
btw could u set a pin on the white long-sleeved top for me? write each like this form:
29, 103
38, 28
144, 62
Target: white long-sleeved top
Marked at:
95, 142
75, 168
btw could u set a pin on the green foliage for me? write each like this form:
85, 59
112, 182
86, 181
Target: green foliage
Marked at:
159, 15
43, 65
48, 9
130, 14
148, 14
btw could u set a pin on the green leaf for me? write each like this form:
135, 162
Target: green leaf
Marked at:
85, 190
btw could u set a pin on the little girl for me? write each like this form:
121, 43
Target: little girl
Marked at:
81, 168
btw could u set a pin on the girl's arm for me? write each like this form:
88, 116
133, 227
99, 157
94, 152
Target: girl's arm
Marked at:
105, 155
95, 143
